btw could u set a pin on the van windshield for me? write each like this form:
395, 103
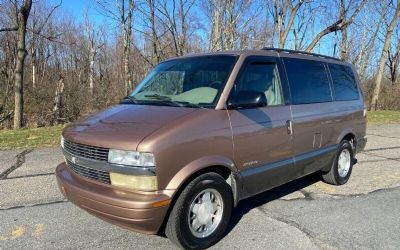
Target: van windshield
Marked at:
187, 82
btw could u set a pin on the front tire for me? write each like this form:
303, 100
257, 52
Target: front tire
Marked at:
201, 213
342, 165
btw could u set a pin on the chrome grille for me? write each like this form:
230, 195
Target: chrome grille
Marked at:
90, 173
86, 151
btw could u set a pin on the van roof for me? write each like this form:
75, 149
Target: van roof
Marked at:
270, 52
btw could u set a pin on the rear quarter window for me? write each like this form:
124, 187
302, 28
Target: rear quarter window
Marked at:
308, 81
344, 83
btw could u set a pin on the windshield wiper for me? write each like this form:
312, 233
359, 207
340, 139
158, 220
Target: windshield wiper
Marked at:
158, 97
131, 99
167, 99
164, 99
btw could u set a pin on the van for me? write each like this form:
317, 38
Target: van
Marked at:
202, 132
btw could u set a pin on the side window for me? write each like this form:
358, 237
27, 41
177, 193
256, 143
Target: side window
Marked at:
262, 77
344, 84
308, 81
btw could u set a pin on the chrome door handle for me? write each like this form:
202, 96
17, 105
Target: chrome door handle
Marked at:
289, 127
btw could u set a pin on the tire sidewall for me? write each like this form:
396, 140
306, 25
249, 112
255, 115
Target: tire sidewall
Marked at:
223, 188
343, 145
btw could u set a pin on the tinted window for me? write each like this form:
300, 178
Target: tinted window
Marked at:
308, 81
261, 77
344, 84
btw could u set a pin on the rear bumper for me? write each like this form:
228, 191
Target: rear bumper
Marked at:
361, 143
130, 210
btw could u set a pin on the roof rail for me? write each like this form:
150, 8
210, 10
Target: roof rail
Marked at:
299, 52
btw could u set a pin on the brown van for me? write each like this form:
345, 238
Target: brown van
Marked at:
202, 132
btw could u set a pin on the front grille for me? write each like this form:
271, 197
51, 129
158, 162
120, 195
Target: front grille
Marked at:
86, 151
90, 173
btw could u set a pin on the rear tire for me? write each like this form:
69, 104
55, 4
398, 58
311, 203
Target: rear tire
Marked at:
342, 165
199, 199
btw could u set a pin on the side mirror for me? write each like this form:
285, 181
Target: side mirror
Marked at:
247, 99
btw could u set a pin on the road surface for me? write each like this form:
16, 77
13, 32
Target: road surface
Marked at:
304, 214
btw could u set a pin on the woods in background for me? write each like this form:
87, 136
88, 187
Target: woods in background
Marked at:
55, 67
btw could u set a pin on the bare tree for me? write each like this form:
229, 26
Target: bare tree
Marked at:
393, 62
385, 50
123, 14
340, 25
369, 36
93, 46
58, 99
176, 15
22, 19
228, 18
156, 57
38, 23
284, 13
217, 9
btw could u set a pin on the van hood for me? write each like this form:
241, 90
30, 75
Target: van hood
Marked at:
123, 126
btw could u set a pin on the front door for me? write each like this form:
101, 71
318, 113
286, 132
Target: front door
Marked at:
262, 141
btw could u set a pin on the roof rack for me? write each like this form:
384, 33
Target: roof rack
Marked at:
299, 52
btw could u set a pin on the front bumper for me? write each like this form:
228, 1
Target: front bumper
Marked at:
127, 209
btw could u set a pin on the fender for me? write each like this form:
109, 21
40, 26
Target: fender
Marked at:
186, 172
197, 165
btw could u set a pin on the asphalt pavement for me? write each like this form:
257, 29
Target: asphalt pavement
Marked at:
303, 214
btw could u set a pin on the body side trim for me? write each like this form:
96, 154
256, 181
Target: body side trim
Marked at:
262, 178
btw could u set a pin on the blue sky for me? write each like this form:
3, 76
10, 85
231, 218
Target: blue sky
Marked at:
77, 9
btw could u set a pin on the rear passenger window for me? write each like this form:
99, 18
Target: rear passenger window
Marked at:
308, 81
344, 84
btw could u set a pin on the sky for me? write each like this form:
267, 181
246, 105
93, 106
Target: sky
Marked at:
77, 8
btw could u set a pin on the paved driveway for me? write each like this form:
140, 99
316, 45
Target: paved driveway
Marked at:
304, 214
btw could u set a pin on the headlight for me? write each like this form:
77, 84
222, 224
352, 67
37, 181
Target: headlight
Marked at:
62, 142
131, 158
135, 182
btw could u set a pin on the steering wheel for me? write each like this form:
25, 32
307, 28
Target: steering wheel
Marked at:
215, 85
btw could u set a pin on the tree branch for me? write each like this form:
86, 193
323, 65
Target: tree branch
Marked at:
9, 29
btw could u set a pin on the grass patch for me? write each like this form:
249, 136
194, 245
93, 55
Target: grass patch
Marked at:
31, 138
383, 116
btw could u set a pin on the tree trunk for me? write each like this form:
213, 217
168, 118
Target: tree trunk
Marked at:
127, 28
19, 65
154, 37
230, 29
216, 41
381, 71
284, 31
344, 47
33, 64
183, 38
92, 57
58, 99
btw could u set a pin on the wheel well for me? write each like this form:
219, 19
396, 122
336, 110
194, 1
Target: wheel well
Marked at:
225, 172
350, 138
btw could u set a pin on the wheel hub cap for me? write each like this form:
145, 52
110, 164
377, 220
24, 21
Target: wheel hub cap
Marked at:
205, 213
344, 163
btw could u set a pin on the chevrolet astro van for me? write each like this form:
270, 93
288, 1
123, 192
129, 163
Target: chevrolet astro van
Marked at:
202, 132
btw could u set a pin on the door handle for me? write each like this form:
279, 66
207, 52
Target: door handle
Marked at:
289, 127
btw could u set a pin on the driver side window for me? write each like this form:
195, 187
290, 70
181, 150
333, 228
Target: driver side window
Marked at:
262, 77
